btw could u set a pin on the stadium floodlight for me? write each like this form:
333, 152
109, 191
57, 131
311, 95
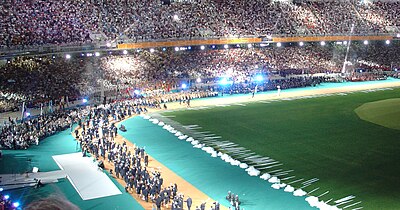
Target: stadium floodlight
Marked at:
198, 80
387, 41
67, 56
184, 86
323, 43
108, 44
226, 46
176, 49
301, 43
16, 204
125, 52
365, 42
202, 47
279, 44
249, 45
97, 54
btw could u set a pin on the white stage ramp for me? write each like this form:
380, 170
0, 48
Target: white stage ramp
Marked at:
88, 180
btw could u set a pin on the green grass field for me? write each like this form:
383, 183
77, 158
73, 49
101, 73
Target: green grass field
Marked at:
319, 138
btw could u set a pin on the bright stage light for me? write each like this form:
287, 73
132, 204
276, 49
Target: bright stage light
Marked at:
16, 204
137, 92
67, 56
387, 42
345, 42
1, 189
301, 43
164, 49
125, 52
365, 42
202, 47
184, 86
213, 46
279, 44
226, 46
97, 54
6, 197
249, 45
323, 43
84, 100
198, 80
259, 78
176, 49
151, 50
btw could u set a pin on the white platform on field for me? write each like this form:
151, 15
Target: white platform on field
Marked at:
88, 180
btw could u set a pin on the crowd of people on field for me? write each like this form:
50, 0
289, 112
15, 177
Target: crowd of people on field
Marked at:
40, 22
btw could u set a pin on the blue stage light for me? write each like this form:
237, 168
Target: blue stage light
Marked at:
137, 92
259, 78
16, 204
1, 189
184, 86
6, 197
84, 100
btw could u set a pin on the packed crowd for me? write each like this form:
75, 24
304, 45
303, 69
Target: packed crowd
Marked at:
19, 135
97, 136
36, 80
40, 22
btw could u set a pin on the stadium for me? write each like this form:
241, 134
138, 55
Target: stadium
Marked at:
200, 104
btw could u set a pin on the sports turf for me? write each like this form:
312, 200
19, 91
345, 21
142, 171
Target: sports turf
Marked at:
384, 112
319, 137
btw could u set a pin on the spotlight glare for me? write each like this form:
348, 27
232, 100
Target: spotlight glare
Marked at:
202, 47
213, 46
151, 50
16, 204
67, 56
226, 46
184, 85
125, 52
108, 44
259, 78
97, 54
365, 42
249, 46
137, 92
279, 44
387, 42
323, 43
198, 80
301, 43
1, 189
6, 197
84, 100
176, 49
